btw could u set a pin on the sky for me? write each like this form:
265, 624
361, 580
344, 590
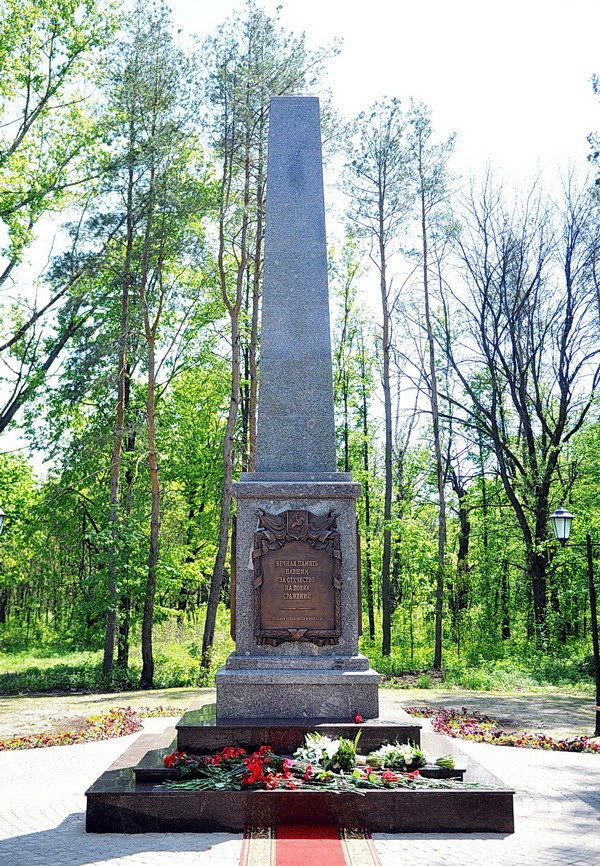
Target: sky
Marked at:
512, 79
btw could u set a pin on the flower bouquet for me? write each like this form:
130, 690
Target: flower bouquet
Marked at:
320, 763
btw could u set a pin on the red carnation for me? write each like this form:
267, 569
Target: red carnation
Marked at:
229, 752
389, 776
358, 719
254, 770
171, 760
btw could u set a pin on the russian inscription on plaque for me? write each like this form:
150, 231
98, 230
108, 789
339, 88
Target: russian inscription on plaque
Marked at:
297, 578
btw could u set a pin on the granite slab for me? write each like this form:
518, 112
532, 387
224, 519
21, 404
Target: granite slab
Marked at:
199, 731
119, 803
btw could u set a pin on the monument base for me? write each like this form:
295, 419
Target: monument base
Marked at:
130, 796
323, 694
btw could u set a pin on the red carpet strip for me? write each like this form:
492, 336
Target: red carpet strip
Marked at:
316, 846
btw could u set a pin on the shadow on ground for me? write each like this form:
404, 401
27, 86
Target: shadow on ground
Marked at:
69, 844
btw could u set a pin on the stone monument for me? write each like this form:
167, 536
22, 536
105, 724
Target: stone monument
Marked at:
296, 603
296, 666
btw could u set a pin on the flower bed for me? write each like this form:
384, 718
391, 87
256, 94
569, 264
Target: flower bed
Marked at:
465, 725
118, 722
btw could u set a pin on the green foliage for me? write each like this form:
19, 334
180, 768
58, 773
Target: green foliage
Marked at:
121, 134
518, 671
178, 662
49, 52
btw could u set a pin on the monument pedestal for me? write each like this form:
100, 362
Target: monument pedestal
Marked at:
326, 695
130, 797
297, 619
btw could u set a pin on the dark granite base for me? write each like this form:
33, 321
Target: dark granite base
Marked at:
200, 731
117, 805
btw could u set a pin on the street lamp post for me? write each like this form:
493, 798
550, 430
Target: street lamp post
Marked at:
561, 524
2, 517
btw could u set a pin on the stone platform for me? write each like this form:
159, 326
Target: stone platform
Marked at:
200, 731
128, 797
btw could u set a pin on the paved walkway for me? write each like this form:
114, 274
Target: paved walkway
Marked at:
42, 807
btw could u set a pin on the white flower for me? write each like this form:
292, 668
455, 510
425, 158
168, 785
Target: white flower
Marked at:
329, 746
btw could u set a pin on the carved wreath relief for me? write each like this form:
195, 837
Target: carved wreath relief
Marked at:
297, 578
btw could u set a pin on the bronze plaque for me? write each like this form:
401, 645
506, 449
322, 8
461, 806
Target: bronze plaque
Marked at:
297, 566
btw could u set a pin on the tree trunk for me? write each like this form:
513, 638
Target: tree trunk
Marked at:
115, 467
537, 564
367, 498
505, 598
458, 594
147, 677
386, 588
219, 566
124, 628
257, 274
437, 443
125, 602
233, 309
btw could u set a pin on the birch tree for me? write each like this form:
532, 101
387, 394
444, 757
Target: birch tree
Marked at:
377, 183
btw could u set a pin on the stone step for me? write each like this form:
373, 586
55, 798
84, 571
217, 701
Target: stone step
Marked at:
199, 731
116, 804
119, 803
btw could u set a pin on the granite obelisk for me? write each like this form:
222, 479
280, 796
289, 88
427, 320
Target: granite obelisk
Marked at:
296, 431
296, 597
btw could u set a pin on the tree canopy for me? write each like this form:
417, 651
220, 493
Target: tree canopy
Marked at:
466, 396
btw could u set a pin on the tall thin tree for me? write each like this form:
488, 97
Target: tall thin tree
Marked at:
377, 182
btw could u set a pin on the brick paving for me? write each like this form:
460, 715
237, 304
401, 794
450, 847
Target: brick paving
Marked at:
42, 804
557, 815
